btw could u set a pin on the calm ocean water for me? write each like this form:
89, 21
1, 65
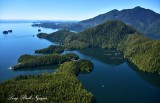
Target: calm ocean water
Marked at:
116, 80
17, 43
113, 79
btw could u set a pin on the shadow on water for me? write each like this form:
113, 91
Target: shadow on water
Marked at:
108, 56
152, 78
115, 58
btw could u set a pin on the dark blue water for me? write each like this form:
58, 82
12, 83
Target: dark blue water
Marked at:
116, 80
17, 43
113, 79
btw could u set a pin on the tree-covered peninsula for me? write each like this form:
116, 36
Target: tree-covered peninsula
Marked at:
59, 87
31, 61
141, 51
64, 37
50, 49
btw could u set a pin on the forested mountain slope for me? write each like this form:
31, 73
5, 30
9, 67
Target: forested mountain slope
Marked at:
141, 51
138, 17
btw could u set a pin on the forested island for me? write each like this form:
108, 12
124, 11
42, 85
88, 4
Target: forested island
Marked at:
59, 87
63, 85
140, 50
31, 61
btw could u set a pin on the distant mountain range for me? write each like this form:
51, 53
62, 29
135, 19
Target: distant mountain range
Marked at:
144, 20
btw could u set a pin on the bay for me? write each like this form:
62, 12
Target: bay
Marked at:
113, 79
116, 80
20, 41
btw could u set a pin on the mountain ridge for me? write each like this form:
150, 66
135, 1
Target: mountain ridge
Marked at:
138, 17
138, 49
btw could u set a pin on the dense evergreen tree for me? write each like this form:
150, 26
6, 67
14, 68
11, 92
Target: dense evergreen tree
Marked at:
31, 61
59, 87
63, 86
106, 35
50, 49
59, 36
115, 34
143, 52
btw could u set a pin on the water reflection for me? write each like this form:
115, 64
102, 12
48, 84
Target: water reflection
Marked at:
122, 80
152, 78
115, 58
108, 56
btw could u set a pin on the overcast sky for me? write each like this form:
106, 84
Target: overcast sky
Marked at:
67, 9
